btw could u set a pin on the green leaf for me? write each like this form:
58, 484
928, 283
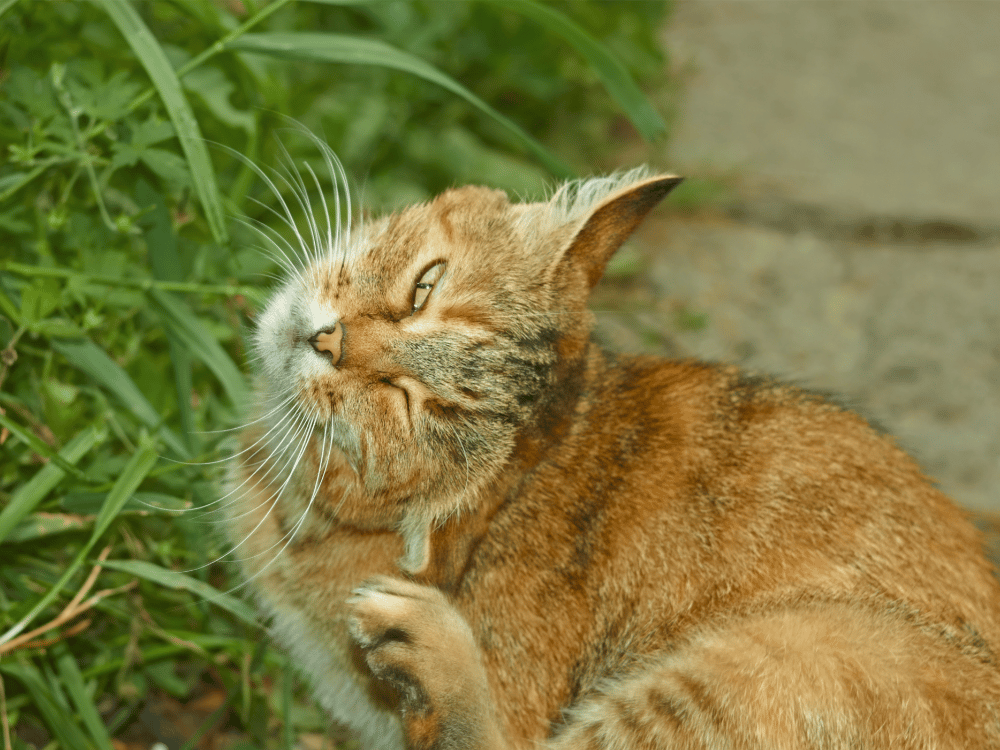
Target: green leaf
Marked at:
186, 326
341, 48
155, 61
167, 165
132, 475
8, 307
104, 100
72, 680
612, 73
87, 356
214, 89
39, 525
152, 131
6, 5
61, 327
30, 494
174, 580
13, 182
69, 735
161, 242
39, 446
37, 301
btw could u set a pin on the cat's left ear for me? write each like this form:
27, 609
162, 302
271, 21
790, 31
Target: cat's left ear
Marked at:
611, 222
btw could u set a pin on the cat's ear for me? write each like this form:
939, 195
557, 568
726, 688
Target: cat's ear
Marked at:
609, 223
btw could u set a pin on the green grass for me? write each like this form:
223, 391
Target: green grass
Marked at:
127, 287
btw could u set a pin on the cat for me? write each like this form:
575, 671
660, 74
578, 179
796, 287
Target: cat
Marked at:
473, 528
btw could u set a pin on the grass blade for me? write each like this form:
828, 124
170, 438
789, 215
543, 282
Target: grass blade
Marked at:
154, 60
87, 356
613, 75
161, 241
62, 727
341, 48
39, 525
72, 680
39, 446
174, 580
186, 326
132, 475
29, 495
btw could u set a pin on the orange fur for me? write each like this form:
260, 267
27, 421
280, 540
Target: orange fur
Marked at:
547, 543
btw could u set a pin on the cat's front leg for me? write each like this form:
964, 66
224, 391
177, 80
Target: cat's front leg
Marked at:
412, 638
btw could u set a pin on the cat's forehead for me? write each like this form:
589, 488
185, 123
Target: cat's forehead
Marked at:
469, 229
454, 222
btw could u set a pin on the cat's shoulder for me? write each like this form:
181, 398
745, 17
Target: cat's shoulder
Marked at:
687, 416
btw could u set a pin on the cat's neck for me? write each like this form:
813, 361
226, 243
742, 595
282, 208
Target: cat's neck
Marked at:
559, 420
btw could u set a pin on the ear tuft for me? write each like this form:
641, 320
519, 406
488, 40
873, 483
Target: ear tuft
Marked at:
612, 221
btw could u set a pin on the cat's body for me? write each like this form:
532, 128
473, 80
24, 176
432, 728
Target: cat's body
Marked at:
579, 549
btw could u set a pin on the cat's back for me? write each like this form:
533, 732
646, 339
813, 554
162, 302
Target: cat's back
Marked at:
688, 491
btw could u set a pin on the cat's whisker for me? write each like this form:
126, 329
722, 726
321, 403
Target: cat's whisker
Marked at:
298, 187
285, 262
290, 534
296, 260
273, 500
241, 427
326, 213
337, 177
287, 219
290, 430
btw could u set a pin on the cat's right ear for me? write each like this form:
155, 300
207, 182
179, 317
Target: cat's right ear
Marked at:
608, 224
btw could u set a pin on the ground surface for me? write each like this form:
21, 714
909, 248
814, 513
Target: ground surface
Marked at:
862, 253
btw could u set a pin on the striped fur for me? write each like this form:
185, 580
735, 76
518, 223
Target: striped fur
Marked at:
474, 529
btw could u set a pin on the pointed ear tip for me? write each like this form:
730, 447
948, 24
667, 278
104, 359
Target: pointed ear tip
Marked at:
668, 181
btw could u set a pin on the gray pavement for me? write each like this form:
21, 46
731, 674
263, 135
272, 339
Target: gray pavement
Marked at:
862, 140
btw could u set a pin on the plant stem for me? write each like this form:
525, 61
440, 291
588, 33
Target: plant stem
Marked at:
168, 286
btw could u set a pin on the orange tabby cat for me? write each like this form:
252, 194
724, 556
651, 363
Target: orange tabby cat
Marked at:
475, 529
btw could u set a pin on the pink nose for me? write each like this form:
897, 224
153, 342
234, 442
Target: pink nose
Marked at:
329, 342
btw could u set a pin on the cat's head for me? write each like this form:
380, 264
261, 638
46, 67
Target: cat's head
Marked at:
405, 359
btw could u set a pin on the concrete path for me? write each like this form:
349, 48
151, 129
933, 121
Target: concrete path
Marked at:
862, 254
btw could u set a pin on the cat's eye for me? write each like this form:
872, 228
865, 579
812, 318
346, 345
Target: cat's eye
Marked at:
425, 284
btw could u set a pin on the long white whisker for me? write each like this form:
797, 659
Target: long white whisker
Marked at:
279, 256
273, 500
270, 234
293, 178
321, 472
290, 429
288, 219
337, 176
293, 433
290, 397
326, 211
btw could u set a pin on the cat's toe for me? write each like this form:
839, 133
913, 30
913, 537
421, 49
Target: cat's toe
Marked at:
385, 609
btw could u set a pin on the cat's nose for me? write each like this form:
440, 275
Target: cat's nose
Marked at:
328, 342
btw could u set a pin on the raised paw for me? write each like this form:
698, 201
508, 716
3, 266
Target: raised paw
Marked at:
415, 640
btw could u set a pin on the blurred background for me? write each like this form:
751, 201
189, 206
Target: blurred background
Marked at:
838, 228
858, 245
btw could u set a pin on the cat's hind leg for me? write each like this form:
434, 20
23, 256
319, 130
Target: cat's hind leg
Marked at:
827, 677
